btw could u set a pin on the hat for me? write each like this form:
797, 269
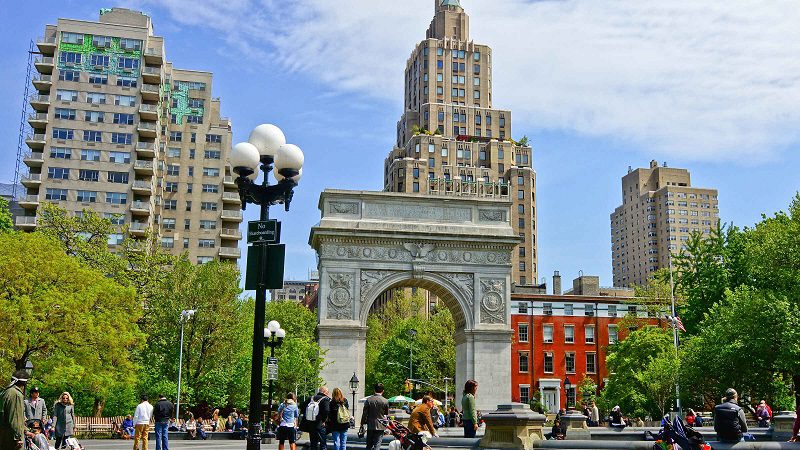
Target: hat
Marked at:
34, 389
730, 393
20, 375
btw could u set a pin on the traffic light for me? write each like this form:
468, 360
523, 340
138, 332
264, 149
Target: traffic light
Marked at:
407, 386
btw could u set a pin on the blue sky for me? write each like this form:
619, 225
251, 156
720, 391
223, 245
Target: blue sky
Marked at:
597, 86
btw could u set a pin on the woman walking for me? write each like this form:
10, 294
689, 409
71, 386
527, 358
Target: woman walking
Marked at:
469, 412
288, 414
64, 413
339, 419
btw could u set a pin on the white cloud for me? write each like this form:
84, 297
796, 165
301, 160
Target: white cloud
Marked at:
699, 80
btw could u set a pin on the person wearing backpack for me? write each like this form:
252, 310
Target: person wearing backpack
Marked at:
287, 429
339, 419
315, 416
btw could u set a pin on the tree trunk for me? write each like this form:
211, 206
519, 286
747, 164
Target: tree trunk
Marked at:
98, 407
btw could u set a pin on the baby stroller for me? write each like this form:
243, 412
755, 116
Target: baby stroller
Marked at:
404, 438
677, 436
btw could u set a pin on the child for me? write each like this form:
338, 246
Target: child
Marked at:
39, 440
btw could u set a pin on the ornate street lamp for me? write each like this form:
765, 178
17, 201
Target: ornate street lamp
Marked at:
266, 147
273, 337
567, 387
354, 389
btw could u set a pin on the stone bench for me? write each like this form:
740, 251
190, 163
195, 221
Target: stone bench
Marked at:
182, 435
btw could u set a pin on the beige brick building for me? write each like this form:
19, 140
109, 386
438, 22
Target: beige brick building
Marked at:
659, 210
451, 141
118, 130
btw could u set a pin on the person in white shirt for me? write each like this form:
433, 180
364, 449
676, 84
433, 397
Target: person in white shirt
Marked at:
141, 422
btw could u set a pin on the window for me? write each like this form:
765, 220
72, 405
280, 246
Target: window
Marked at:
99, 60
212, 154
524, 394
547, 309
591, 363
547, 331
120, 157
476, 94
55, 194
569, 334
188, 205
523, 308
208, 224
89, 175
206, 243
208, 206
191, 150
548, 362
116, 198
87, 196
167, 242
589, 334
90, 155
612, 310
214, 138
415, 186
101, 41
130, 44
126, 81
521, 194
66, 95
170, 204
125, 100
69, 75
65, 114
95, 98
523, 362
98, 79
171, 186
568, 309
58, 173
522, 332
194, 119
571, 397
212, 188
196, 102
94, 116
168, 224
127, 63
70, 58
173, 170
613, 334
210, 172
118, 177
588, 310
123, 119
115, 239
63, 133
569, 360
431, 162
189, 188
632, 309
114, 218
72, 38
121, 138
60, 152
173, 152
92, 136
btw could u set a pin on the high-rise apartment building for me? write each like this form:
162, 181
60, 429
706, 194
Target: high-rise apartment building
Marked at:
659, 210
118, 130
450, 141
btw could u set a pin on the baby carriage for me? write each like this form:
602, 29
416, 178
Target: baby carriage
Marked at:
404, 438
677, 436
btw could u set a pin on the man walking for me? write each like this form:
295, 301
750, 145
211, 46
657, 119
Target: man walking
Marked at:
595, 415
162, 412
35, 408
375, 407
730, 422
141, 423
316, 412
12, 413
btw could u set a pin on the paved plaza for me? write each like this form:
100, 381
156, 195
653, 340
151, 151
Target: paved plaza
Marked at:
115, 444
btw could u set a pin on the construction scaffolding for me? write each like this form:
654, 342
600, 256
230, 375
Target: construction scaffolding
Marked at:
23, 124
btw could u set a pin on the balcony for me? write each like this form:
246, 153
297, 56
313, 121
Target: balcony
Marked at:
140, 208
143, 187
151, 91
146, 149
138, 228
147, 129
230, 233
230, 252
229, 182
29, 201
228, 214
148, 111
35, 141
143, 167
44, 64
40, 102
231, 197
34, 159
31, 180
154, 56
25, 222
47, 44
151, 75
43, 82
37, 120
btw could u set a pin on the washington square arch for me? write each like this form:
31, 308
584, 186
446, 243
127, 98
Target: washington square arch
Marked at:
457, 248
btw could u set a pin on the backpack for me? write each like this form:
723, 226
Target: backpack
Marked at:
312, 410
343, 414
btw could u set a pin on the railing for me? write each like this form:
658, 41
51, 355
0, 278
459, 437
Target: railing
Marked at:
29, 199
35, 137
152, 52
139, 205
35, 156
148, 107
140, 184
138, 226
230, 214
150, 88
32, 177
46, 40
147, 126
44, 60
25, 220
231, 232
152, 70
231, 196
230, 251
40, 98
146, 146
140, 164
228, 180
37, 116
44, 79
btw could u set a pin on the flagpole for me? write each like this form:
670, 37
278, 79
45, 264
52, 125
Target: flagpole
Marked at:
674, 334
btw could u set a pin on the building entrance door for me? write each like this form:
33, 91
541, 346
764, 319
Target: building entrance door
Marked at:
549, 400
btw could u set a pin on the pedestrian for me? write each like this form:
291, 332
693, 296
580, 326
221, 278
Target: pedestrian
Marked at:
64, 413
691, 418
162, 413
420, 420
288, 415
12, 412
39, 439
469, 417
376, 407
595, 415
215, 420
127, 427
557, 432
35, 408
615, 418
763, 414
201, 430
191, 428
315, 416
730, 422
339, 419
141, 423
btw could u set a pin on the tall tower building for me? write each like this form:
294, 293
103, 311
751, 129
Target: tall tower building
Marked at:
118, 130
659, 210
452, 142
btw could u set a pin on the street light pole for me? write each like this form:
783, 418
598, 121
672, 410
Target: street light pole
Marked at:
186, 314
674, 335
354, 389
413, 333
273, 337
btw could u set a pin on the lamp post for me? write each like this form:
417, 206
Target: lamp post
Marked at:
29, 368
567, 387
354, 389
273, 337
413, 333
266, 146
446, 392
186, 315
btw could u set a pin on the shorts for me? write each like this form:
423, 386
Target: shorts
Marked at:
287, 434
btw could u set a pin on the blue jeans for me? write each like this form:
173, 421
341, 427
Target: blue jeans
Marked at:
318, 436
162, 436
469, 429
339, 440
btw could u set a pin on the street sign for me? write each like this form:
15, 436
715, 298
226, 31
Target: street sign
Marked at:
272, 360
265, 262
266, 231
272, 369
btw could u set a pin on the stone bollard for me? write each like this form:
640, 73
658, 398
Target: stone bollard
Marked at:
513, 425
575, 423
782, 424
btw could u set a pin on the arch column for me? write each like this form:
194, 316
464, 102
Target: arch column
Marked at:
484, 355
345, 345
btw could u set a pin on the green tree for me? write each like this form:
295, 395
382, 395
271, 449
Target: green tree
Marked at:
658, 378
77, 325
6, 222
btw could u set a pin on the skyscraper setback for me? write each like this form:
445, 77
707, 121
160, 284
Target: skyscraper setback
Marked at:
451, 142
118, 130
